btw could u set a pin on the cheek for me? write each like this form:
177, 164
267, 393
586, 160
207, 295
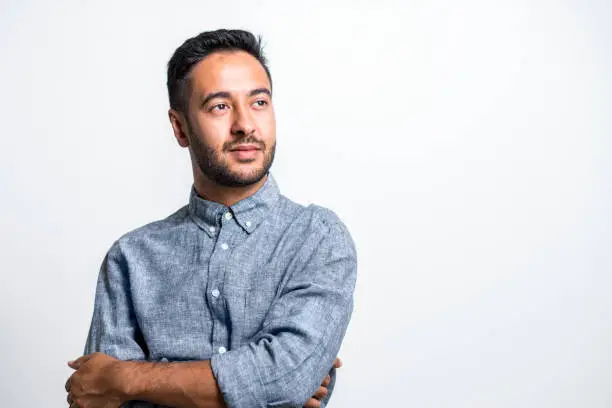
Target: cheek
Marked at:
268, 127
213, 133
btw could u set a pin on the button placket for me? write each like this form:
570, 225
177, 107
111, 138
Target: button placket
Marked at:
225, 219
221, 256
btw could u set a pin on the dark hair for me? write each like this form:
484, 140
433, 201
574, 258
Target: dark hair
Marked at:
199, 47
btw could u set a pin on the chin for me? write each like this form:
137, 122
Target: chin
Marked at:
250, 177
244, 170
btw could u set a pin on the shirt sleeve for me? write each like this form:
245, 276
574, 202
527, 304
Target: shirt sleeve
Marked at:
114, 330
286, 361
330, 388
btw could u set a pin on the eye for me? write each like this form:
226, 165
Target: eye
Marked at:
260, 103
219, 107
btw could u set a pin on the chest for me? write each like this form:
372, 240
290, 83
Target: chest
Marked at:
192, 295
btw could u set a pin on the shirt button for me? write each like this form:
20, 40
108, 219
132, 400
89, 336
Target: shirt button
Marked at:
228, 215
224, 246
215, 292
248, 223
211, 229
222, 350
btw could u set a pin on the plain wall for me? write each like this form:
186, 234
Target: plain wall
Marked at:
466, 145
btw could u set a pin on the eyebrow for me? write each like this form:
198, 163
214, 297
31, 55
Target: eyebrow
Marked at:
260, 91
225, 94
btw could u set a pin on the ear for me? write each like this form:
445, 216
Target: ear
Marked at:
179, 127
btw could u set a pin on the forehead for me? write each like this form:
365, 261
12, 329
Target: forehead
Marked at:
231, 71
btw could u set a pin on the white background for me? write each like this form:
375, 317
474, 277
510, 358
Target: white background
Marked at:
466, 145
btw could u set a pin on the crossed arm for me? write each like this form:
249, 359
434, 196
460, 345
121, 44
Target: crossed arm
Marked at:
101, 381
282, 365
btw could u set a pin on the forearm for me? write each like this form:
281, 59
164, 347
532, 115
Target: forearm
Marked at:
189, 384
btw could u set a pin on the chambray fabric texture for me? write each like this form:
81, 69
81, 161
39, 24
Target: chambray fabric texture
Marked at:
263, 289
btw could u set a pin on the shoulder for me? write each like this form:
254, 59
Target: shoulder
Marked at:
324, 217
150, 232
317, 215
331, 226
318, 222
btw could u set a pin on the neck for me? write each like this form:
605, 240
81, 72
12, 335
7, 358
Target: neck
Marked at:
227, 196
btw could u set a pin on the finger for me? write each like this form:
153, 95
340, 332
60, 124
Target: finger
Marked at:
326, 381
321, 393
312, 403
337, 363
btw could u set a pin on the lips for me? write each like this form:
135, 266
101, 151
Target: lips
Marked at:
245, 148
245, 152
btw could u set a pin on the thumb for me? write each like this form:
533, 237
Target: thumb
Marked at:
76, 364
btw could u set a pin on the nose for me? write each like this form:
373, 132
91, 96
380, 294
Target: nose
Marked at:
243, 122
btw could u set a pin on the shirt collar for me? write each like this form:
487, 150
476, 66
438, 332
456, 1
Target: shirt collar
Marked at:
248, 212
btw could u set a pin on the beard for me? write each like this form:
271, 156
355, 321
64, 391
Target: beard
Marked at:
212, 163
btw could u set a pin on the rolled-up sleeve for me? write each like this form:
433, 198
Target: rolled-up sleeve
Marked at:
286, 361
114, 330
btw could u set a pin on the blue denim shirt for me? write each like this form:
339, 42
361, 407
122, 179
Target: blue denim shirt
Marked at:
263, 289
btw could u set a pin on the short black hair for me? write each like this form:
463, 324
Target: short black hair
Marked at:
197, 48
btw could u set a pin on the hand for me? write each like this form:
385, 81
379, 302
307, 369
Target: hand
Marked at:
315, 400
96, 383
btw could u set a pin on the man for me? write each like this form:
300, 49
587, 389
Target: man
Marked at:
242, 297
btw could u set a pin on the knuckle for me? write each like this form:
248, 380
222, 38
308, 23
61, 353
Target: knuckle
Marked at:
312, 403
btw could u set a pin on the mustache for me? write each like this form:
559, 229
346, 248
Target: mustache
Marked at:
247, 140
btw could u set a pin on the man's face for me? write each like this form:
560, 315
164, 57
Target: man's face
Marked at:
230, 119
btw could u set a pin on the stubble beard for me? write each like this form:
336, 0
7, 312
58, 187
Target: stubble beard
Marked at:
218, 170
